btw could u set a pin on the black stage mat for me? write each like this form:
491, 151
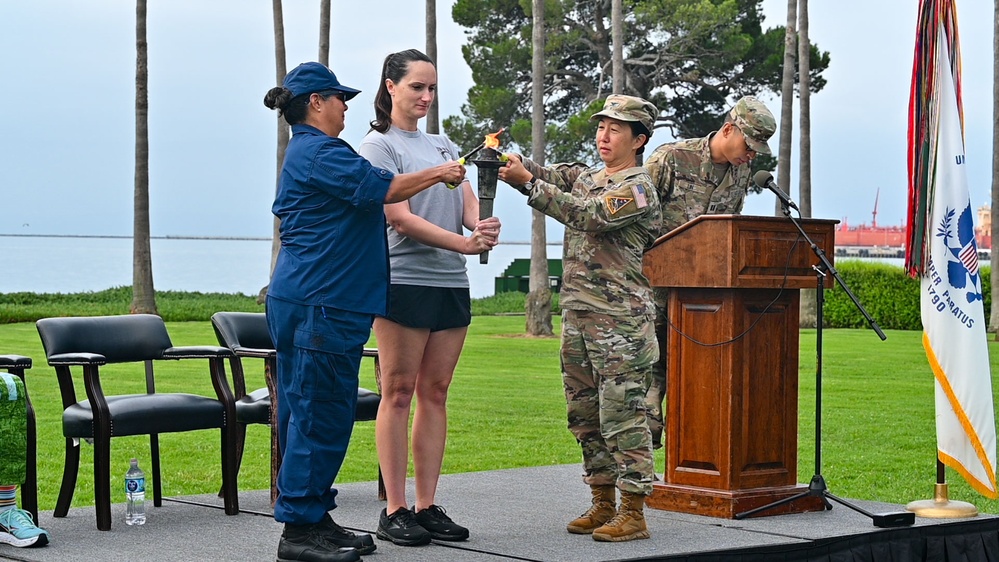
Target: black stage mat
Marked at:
516, 514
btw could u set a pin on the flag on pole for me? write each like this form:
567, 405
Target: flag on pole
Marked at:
942, 251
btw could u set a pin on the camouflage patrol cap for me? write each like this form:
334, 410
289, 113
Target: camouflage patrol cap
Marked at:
629, 108
755, 121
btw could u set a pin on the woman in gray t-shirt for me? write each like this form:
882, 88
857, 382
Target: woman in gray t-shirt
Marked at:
421, 337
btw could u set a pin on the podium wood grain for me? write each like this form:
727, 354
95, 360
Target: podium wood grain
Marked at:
732, 385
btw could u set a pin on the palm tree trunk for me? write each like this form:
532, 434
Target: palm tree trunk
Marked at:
805, 117
807, 313
324, 32
786, 104
433, 115
143, 293
283, 133
617, 57
538, 306
994, 275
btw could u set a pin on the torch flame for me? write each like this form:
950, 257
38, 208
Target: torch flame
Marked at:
492, 141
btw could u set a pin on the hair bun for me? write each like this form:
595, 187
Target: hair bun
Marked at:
277, 98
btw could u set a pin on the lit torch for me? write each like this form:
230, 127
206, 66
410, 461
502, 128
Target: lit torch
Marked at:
492, 141
488, 163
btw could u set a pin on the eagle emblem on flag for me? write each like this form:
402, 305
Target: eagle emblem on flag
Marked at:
962, 263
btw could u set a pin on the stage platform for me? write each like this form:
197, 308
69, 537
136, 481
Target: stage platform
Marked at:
516, 514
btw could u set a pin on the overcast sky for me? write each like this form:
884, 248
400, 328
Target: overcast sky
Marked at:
67, 107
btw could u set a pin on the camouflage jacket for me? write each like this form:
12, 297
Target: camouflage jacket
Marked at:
610, 222
688, 187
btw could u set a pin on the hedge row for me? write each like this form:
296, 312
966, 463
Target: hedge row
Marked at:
177, 306
885, 291
889, 295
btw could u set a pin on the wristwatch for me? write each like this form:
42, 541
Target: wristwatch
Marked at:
526, 187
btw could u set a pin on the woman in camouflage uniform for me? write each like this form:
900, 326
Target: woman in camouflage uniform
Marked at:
612, 214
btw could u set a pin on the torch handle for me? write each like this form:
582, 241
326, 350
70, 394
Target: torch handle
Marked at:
488, 166
485, 211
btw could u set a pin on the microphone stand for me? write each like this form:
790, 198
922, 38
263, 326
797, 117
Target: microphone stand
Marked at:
817, 487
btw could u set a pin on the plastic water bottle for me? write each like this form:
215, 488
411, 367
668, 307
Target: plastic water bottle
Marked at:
135, 494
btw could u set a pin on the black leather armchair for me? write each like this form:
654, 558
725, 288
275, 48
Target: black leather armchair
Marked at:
246, 334
16, 365
91, 342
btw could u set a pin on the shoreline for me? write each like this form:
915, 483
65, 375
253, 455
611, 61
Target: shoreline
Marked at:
129, 236
193, 237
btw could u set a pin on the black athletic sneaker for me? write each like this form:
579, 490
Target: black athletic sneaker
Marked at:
435, 520
401, 528
339, 536
309, 543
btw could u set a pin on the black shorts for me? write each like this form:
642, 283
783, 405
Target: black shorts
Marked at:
436, 308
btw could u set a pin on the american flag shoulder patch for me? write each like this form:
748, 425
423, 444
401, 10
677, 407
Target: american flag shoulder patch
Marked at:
639, 193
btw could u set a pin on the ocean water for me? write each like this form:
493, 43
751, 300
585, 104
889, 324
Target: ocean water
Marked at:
71, 264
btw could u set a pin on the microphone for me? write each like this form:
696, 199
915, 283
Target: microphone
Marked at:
765, 179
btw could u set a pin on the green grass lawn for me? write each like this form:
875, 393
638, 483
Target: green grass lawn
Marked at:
507, 409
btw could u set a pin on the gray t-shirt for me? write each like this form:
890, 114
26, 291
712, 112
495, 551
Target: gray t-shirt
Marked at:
414, 263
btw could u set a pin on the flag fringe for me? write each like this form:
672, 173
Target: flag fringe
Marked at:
959, 468
969, 430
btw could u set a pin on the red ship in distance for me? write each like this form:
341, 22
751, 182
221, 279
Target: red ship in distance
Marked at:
863, 236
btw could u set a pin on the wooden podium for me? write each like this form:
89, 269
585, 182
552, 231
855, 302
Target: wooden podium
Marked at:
732, 408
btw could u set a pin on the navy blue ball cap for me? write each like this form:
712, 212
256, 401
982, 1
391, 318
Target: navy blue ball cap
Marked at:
310, 77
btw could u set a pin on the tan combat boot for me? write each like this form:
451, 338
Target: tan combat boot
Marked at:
599, 513
628, 524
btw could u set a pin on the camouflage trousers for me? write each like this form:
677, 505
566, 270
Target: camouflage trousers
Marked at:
657, 389
606, 368
13, 430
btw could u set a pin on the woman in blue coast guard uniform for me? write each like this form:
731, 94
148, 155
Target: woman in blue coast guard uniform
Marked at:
330, 280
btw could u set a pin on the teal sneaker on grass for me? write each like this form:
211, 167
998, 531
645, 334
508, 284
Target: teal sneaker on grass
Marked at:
18, 529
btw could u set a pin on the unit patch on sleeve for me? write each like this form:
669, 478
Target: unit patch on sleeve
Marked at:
615, 203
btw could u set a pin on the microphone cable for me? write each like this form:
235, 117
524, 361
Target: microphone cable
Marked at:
787, 268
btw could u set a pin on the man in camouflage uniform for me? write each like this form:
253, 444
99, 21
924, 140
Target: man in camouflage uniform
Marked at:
612, 215
705, 176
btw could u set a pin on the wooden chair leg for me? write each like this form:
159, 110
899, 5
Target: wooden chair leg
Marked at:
154, 453
270, 375
240, 444
378, 374
102, 481
230, 477
275, 461
378, 384
71, 468
29, 491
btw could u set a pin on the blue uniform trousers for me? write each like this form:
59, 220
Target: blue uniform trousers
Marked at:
318, 354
